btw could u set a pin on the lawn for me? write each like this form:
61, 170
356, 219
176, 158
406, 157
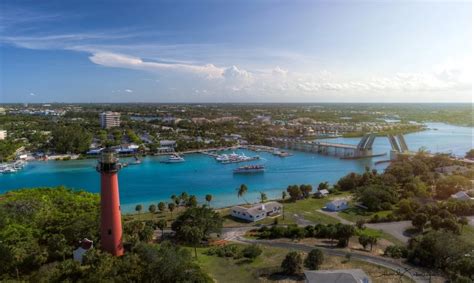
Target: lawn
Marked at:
467, 234
305, 209
354, 214
238, 270
379, 234
145, 216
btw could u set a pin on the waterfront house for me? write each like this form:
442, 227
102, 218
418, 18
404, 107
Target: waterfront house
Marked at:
337, 205
322, 193
257, 212
167, 146
337, 276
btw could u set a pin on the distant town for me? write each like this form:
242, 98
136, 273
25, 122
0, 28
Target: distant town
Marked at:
39, 130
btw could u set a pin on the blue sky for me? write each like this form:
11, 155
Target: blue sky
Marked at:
235, 51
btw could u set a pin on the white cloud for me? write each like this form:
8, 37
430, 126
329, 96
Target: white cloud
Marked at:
32, 94
124, 61
180, 75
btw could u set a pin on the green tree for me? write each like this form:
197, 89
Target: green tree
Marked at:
419, 221
306, 190
366, 240
314, 259
463, 221
138, 208
294, 192
343, 234
323, 186
209, 199
204, 218
152, 208
161, 206
171, 207
162, 225
292, 264
283, 195
241, 191
192, 201
452, 184
263, 197
71, 139
192, 235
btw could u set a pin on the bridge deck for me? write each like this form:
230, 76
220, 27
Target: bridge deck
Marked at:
338, 145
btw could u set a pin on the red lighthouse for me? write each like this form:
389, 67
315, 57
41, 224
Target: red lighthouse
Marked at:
110, 216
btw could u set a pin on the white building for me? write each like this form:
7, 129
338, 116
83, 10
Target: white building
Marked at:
461, 196
257, 212
109, 119
86, 245
337, 205
3, 134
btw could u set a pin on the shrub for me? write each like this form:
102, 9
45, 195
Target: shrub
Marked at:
252, 251
395, 251
292, 264
314, 259
225, 251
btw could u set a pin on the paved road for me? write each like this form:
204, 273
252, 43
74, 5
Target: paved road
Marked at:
418, 275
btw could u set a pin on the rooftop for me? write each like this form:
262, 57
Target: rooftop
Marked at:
337, 276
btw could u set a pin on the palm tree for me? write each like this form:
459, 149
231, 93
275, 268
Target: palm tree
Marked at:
161, 206
241, 191
263, 197
162, 225
283, 195
152, 208
171, 207
208, 199
138, 208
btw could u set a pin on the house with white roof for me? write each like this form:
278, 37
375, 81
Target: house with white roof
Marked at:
257, 212
337, 276
322, 193
461, 195
337, 205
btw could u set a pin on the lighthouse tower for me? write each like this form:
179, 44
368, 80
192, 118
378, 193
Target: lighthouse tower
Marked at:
110, 217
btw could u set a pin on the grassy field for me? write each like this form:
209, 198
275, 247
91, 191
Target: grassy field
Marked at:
354, 214
468, 234
379, 234
264, 268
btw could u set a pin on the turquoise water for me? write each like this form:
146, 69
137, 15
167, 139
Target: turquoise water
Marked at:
152, 181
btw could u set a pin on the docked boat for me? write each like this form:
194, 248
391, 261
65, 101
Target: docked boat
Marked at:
136, 162
284, 154
174, 158
234, 158
9, 168
249, 169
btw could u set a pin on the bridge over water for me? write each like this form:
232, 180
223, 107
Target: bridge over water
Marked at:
346, 151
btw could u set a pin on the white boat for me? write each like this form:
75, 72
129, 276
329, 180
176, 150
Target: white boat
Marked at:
8, 170
174, 158
222, 157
